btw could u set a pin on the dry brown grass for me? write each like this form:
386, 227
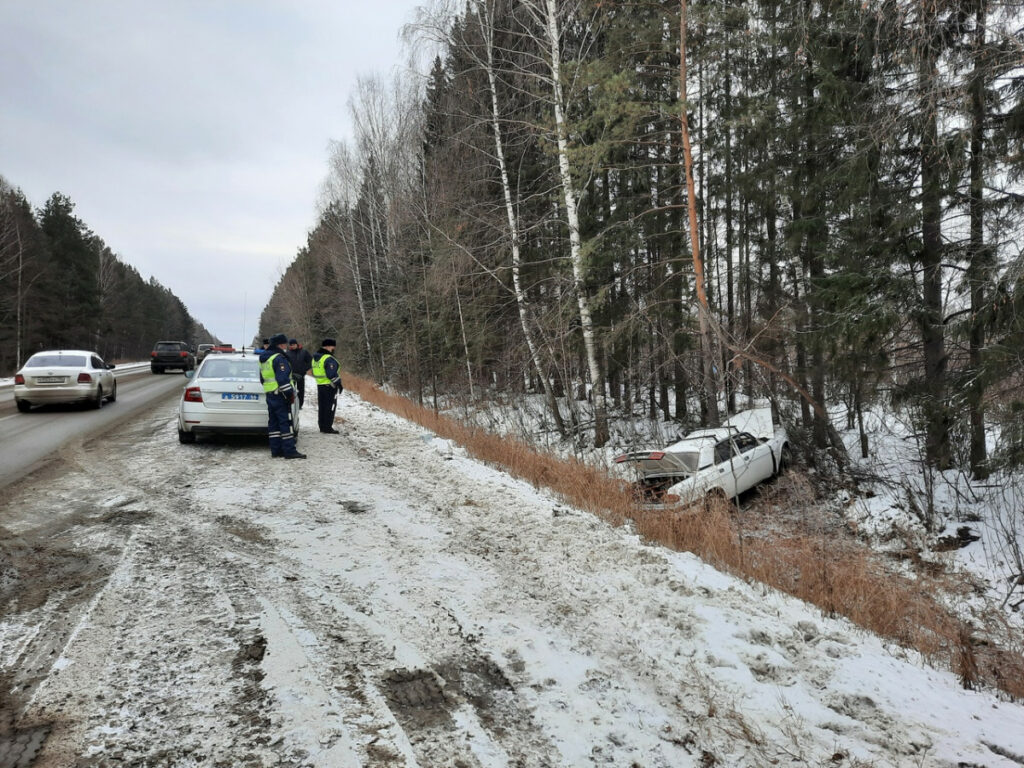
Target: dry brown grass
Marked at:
841, 580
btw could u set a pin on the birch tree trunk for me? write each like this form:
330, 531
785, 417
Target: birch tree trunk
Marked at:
104, 284
485, 11
357, 281
590, 342
465, 348
343, 194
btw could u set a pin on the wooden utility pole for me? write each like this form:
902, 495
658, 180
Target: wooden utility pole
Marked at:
704, 311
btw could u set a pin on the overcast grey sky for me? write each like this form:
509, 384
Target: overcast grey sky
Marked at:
192, 135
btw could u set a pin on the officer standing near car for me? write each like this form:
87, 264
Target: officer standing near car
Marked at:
301, 362
276, 375
327, 373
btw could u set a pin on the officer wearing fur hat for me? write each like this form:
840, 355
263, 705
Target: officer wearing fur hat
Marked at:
327, 373
276, 375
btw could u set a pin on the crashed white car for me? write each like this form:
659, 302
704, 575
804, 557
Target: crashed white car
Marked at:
711, 463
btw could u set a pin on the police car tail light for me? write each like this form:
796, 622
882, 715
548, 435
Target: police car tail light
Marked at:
193, 395
19, 379
84, 378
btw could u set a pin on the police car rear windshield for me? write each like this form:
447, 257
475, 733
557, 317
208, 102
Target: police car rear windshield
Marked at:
236, 370
50, 361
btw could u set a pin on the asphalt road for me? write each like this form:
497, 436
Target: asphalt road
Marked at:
28, 441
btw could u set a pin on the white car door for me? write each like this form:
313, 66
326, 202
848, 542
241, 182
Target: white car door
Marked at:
753, 461
723, 474
103, 374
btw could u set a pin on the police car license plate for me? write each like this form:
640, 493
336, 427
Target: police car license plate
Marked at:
238, 396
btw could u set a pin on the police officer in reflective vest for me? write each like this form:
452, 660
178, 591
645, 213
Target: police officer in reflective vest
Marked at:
276, 375
327, 373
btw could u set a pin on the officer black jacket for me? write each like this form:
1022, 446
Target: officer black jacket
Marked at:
301, 360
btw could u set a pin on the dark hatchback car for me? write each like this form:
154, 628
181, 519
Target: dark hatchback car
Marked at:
171, 354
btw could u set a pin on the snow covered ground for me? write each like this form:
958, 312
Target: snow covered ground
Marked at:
391, 602
974, 528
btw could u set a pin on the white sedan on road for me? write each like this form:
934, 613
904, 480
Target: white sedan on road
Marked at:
225, 397
712, 463
64, 376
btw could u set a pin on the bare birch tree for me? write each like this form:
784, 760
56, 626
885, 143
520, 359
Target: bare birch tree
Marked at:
341, 193
546, 15
485, 12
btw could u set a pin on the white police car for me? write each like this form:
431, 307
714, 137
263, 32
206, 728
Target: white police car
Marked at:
225, 397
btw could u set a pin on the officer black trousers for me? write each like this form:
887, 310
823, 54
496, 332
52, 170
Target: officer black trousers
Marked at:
279, 425
327, 402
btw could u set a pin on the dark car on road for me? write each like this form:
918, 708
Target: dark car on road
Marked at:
171, 354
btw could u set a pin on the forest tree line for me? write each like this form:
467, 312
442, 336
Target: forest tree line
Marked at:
520, 221
62, 287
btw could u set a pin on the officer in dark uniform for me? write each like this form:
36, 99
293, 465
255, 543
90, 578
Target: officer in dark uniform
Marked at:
301, 362
276, 375
327, 373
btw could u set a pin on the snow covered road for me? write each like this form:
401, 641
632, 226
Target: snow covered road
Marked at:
389, 602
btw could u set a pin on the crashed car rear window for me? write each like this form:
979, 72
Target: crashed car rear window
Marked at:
51, 361
688, 461
168, 347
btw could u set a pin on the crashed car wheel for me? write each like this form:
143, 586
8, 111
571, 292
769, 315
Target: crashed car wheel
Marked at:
24, 406
716, 500
785, 460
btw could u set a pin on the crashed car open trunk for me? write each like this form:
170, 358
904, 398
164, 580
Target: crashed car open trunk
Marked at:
657, 471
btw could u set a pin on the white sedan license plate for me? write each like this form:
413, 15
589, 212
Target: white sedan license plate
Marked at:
238, 396
49, 379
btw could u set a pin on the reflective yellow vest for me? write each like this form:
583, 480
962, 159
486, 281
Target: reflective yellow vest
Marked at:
267, 372
319, 374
